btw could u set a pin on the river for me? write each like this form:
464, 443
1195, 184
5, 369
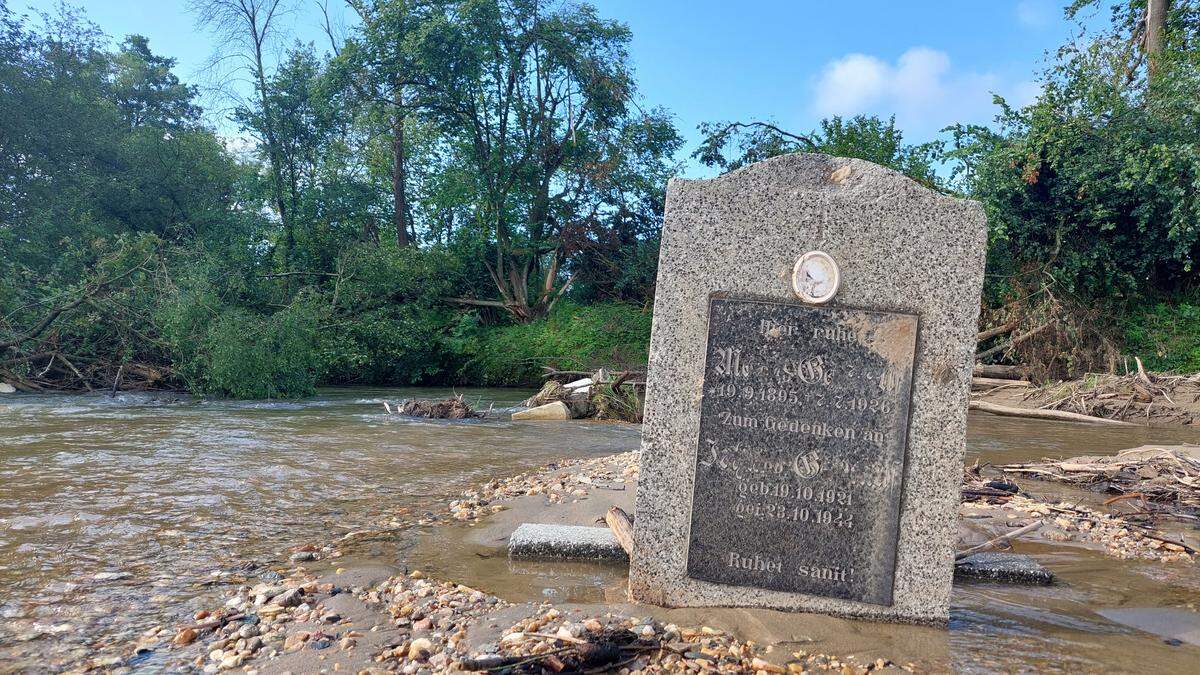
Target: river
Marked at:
121, 513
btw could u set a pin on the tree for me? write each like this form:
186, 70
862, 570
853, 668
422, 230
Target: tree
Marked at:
1090, 190
519, 87
146, 90
245, 29
731, 145
386, 75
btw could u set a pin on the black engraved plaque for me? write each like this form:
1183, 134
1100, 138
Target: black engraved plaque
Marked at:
803, 429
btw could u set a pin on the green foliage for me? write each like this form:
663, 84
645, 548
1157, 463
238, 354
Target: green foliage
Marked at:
1092, 188
572, 337
388, 324
1166, 336
245, 355
729, 146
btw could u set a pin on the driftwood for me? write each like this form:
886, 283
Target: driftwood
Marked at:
1013, 342
1135, 395
998, 330
986, 382
453, 408
1001, 372
1042, 414
996, 541
1165, 480
622, 527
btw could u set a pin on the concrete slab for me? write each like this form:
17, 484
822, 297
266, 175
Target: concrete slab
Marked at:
539, 540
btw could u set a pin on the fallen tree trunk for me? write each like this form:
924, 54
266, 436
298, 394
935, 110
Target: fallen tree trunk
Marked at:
998, 330
1041, 414
999, 371
1012, 343
622, 527
997, 382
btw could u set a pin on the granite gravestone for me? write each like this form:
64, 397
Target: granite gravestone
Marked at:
810, 363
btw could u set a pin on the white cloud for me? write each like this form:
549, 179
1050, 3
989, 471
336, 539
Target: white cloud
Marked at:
1036, 13
922, 89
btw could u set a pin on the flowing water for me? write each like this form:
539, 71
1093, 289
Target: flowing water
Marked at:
120, 513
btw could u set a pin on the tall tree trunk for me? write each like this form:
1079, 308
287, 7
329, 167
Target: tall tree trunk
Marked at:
399, 169
1156, 22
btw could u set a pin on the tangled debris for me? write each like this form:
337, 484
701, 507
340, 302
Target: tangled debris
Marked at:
453, 408
1156, 481
551, 642
1138, 396
1121, 535
599, 395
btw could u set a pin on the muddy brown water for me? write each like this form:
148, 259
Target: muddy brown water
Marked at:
118, 514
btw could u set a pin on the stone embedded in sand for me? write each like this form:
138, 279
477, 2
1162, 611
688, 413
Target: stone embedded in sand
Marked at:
551, 411
532, 540
1004, 567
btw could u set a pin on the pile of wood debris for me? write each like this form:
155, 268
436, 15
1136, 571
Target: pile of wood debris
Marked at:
598, 395
1153, 481
1120, 528
453, 408
1133, 397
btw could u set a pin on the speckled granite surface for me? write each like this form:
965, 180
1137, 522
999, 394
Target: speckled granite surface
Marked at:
900, 248
538, 540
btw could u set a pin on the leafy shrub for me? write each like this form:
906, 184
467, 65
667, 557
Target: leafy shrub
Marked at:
395, 345
226, 351
249, 356
573, 337
1166, 337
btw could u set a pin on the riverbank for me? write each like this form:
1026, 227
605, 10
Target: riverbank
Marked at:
358, 619
109, 549
326, 616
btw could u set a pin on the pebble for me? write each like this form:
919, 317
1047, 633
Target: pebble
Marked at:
185, 637
419, 649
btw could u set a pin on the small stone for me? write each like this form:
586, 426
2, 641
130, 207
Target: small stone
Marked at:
303, 556
111, 576
185, 637
294, 642
419, 649
290, 598
764, 665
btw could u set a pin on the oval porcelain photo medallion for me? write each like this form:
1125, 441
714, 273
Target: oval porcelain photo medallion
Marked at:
815, 278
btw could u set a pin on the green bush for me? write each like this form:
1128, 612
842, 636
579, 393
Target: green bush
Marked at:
396, 345
1166, 337
573, 337
226, 351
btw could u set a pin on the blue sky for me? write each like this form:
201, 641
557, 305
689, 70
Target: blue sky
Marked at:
791, 62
